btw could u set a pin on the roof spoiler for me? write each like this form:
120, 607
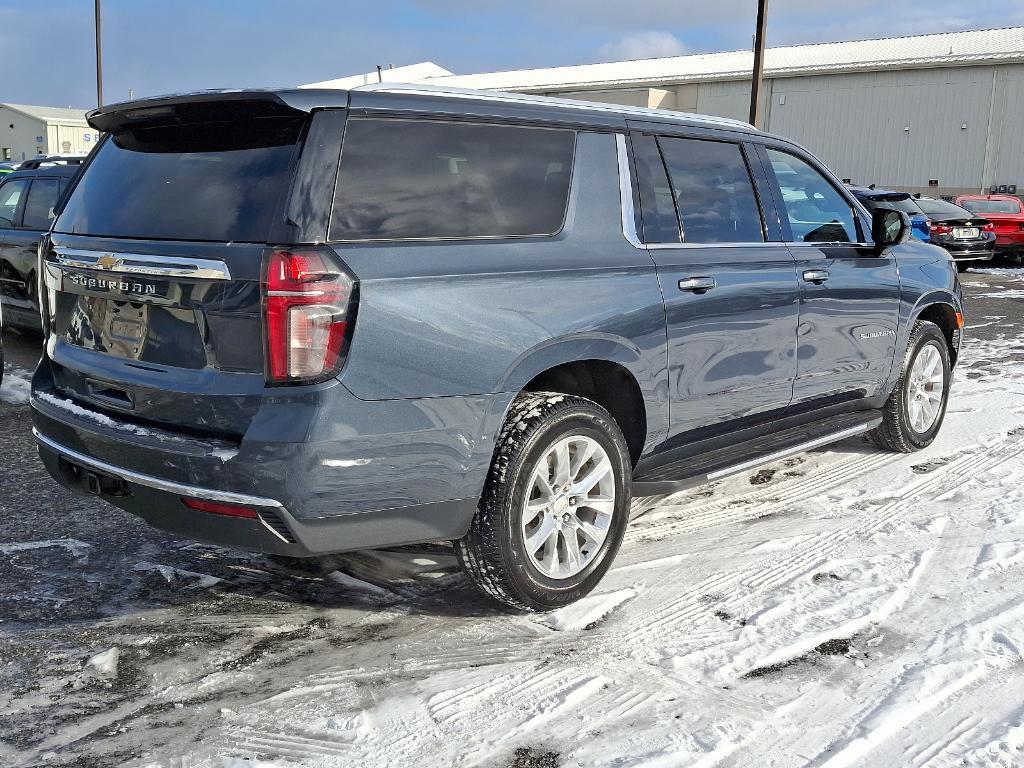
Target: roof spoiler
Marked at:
254, 103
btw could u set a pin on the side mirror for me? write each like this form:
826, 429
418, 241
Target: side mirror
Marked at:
889, 227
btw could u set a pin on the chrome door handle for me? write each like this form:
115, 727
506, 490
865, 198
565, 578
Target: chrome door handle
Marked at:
697, 284
818, 276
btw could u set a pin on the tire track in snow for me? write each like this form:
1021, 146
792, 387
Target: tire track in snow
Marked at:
744, 507
669, 617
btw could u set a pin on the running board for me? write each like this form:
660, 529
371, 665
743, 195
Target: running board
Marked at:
693, 471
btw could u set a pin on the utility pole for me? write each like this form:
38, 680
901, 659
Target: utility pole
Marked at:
758, 74
99, 59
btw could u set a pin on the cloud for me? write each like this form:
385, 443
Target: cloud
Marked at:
643, 45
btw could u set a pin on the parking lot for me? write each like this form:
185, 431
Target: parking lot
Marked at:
880, 588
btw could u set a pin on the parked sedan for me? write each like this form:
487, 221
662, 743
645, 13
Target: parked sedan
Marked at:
28, 201
1006, 213
874, 199
966, 236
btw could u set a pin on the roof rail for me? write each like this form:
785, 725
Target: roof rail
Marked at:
37, 162
422, 89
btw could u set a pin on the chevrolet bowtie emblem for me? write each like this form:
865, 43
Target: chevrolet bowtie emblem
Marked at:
107, 261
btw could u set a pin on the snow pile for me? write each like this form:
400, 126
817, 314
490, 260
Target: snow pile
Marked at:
75, 548
104, 664
16, 386
585, 613
170, 573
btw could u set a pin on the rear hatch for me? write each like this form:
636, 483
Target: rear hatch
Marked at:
153, 304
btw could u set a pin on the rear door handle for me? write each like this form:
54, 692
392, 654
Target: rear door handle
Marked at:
697, 284
817, 276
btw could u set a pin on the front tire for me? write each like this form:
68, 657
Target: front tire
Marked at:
914, 411
555, 504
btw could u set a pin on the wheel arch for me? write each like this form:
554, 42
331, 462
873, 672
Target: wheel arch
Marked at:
943, 311
609, 372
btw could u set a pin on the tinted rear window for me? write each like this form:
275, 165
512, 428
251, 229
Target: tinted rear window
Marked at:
414, 179
992, 206
942, 208
219, 181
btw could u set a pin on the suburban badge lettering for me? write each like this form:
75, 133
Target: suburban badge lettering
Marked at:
100, 283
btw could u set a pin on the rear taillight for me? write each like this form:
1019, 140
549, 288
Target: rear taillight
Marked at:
940, 229
989, 227
308, 312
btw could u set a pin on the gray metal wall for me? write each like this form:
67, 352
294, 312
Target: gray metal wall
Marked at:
966, 124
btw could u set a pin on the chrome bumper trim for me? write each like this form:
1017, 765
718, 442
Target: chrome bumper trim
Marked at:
155, 482
141, 264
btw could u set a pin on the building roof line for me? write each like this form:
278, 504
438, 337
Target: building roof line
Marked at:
937, 49
47, 114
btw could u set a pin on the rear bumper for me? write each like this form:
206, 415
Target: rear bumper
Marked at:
336, 474
274, 530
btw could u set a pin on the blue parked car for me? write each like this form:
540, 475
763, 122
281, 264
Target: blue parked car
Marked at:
898, 201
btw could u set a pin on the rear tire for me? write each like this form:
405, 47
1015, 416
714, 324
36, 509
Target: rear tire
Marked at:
914, 411
541, 538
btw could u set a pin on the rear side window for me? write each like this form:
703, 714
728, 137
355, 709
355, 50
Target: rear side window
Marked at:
217, 181
10, 196
419, 179
816, 212
657, 203
42, 199
713, 191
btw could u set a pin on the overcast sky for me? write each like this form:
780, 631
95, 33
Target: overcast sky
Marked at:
165, 46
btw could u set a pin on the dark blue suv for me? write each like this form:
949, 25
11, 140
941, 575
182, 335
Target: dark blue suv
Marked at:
311, 321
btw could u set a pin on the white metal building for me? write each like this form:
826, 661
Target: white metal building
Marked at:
939, 113
29, 131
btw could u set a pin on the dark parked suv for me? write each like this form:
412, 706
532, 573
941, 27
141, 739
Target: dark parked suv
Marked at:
28, 200
311, 321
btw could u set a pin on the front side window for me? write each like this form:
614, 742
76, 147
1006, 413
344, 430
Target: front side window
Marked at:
42, 199
817, 213
713, 191
420, 179
10, 196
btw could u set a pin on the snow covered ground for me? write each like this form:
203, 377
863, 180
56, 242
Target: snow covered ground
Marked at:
848, 607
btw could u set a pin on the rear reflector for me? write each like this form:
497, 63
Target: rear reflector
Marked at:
308, 309
220, 508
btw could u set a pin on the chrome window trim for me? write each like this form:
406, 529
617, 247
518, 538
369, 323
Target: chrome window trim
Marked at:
626, 194
141, 264
629, 213
155, 482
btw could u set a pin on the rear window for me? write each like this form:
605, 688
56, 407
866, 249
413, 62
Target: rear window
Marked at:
991, 206
942, 208
218, 181
419, 179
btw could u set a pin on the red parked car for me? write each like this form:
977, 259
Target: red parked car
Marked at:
1007, 214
